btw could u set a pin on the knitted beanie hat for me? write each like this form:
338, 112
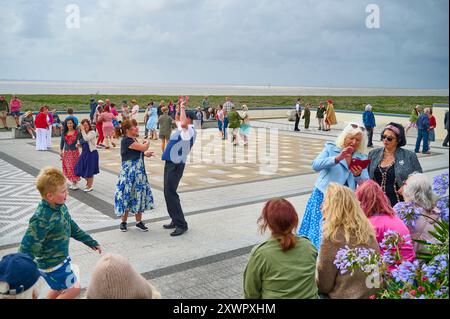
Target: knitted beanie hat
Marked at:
115, 278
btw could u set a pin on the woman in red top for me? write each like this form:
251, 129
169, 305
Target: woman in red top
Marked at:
99, 126
41, 124
69, 152
431, 135
108, 128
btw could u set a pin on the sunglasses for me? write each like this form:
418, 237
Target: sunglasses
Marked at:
388, 138
362, 128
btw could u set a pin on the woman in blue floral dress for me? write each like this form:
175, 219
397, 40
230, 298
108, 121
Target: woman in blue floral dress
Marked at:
334, 165
133, 194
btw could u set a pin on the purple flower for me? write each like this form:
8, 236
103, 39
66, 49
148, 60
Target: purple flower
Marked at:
390, 245
442, 205
353, 259
440, 184
408, 212
436, 268
406, 272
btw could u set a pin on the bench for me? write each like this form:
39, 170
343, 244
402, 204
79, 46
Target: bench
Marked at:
19, 134
291, 115
210, 124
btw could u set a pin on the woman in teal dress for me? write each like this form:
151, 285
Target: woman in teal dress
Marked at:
152, 122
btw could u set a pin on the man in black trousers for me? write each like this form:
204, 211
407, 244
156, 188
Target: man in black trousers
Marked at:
298, 114
175, 156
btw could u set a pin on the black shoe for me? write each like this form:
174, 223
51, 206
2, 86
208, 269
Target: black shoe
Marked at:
142, 226
123, 226
296, 130
169, 226
178, 231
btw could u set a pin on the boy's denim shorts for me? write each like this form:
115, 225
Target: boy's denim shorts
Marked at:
60, 277
15, 113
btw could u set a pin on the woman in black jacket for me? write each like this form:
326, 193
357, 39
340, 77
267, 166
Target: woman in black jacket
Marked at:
391, 165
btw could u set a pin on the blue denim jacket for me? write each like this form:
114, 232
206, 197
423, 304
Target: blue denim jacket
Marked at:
369, 119
423, 122
330, 171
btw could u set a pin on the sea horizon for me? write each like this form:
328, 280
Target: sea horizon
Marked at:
11, 86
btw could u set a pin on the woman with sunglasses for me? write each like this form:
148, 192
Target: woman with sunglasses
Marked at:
334, 164
391, 165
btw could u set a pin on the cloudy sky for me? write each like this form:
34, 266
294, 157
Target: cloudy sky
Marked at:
257, 42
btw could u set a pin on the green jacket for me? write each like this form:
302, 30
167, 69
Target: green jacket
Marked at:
413, 118
4, 106
307, 114
47, 237
274, 274
319, 113
234, 119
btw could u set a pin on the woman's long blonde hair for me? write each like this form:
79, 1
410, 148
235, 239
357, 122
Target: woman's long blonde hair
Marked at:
342, 212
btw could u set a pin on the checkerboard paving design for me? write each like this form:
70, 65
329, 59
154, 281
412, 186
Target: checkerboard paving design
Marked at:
19, 199
291, 155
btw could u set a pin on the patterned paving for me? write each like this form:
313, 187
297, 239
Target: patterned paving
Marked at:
19, 198
217, 163
270, 154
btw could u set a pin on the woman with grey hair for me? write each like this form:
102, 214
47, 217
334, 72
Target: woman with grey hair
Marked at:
335, 165
418, 191
369, 124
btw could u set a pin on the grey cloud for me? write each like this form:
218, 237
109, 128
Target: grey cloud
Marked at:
286, 42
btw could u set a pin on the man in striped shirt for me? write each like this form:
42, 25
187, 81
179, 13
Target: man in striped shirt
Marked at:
226, 109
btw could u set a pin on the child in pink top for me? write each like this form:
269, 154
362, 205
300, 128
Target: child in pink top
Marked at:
108, 128
376, 206
15, 105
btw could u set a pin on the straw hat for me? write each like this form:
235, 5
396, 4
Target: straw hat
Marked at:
27, 114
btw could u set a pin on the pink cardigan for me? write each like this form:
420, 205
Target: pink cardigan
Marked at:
383, 223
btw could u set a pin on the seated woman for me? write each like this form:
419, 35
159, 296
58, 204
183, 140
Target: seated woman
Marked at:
115, 278
57, 124
377, 208
283, 266
27, 124
417, 192
344, 225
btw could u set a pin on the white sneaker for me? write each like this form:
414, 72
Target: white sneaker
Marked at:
74, 186
87, 190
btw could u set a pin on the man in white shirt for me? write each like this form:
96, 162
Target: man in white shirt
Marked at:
134, 110
298, 113
175, 156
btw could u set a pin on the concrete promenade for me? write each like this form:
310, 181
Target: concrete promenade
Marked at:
209, 260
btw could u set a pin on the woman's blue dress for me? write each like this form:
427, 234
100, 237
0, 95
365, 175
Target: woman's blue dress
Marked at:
87, 165
153, 119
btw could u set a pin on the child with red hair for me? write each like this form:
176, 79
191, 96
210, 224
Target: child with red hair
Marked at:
377, 208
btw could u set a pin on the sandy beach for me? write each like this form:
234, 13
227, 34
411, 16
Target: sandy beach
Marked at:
47, 87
